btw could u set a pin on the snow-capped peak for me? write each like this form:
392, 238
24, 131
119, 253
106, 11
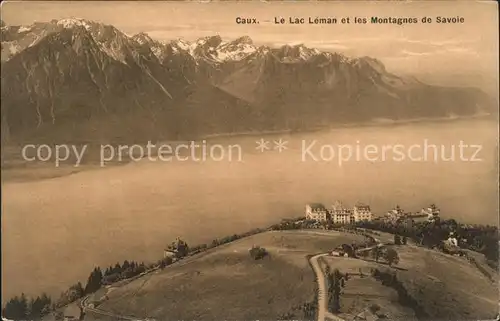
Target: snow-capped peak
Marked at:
142, 38
74, 22
236, 50
181, 44
244, 40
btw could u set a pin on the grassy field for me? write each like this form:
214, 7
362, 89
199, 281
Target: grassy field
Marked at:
446, 287
227, 283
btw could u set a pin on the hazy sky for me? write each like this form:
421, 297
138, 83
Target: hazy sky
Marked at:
468, 47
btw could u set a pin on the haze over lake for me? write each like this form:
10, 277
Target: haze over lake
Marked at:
56, 230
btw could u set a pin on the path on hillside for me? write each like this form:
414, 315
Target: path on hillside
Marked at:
320, 279
322, 293
323, 313
86, 308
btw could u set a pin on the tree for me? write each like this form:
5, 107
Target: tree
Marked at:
95, 279
16, 308
327, 270
376, 252
78, 289
118, 268
334, 286
391, 256
349, 250
257, 252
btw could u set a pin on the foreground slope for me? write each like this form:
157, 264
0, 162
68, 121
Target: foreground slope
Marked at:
227, 283
443, 287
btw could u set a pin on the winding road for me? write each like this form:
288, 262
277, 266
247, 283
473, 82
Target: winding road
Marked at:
88, 308
320, 279
323, 313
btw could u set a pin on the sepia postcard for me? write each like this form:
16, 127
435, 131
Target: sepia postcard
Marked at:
250, 160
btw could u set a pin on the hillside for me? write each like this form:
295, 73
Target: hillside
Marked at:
77, 79
227, 283
444, 286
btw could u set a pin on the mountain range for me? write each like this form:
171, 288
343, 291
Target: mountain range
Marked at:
80, 80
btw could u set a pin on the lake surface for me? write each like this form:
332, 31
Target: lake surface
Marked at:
55, 231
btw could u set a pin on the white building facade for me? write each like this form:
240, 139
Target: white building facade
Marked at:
340, 214
316, 212
362, 212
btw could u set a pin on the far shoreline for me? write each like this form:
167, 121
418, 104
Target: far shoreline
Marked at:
24, 173
382, 122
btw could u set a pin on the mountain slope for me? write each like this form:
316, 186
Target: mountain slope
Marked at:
81, 73
81, 79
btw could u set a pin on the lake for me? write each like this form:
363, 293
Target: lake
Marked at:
54, 231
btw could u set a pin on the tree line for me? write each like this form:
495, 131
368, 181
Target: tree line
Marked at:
22, 308
390, 279
479, 238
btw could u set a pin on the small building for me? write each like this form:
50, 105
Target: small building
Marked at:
72, 312
339, 253
395, 214
169, 253
432, 213
316, 211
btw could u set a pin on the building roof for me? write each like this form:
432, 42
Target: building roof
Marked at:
362, 206
337, 205
317, 206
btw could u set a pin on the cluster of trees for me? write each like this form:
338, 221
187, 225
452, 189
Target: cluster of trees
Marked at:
303, 223
405, 299
20, 308
257, 252
119, 272
390, 255
297, 224
336, 281
224, 240
479, 238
